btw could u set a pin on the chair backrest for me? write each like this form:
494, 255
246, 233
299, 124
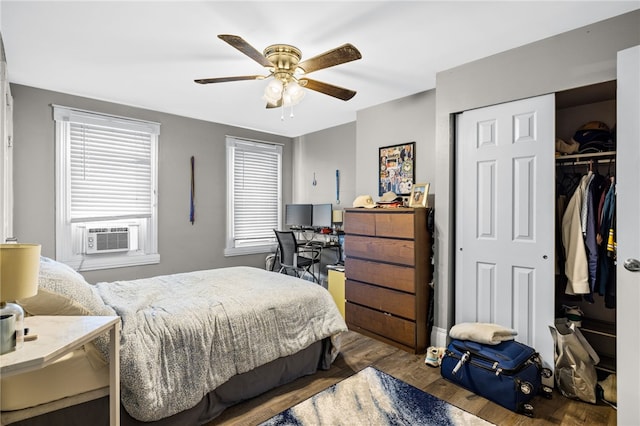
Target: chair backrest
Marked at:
288, 247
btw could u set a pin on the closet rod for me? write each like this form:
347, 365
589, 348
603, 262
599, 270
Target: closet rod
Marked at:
577, 159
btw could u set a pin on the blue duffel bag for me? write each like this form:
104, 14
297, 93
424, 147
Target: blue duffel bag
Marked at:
509, 373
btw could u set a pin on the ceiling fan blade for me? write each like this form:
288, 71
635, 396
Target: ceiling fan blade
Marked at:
339, 55
240, 44
328, 89
224, 79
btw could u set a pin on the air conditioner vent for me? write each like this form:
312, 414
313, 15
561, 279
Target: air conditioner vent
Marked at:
107, 239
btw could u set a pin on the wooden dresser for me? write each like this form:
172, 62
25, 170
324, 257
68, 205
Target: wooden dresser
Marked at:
388, 271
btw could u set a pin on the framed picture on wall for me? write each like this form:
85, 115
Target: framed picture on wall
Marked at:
397, 171
419, 194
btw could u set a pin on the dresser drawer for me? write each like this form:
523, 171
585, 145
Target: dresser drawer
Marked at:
386, 325
359, 223
392, 276
380, 224
395, 225
382, 299
380, 249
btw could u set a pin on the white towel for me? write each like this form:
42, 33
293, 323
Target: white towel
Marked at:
489, 334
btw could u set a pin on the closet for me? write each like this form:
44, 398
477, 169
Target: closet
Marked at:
505, 197
596, 105
506, 250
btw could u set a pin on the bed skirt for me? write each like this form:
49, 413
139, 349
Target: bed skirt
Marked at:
237, 389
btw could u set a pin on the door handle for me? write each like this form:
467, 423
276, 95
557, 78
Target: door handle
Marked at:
632, 265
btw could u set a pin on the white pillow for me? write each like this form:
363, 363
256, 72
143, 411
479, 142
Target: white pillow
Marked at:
63, 291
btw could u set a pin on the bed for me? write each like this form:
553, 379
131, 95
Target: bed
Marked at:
192, 344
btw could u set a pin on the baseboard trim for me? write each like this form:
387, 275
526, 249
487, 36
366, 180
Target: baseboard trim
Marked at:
439, 337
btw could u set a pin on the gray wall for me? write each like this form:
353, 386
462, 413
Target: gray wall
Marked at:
182, 246
577, 58
323, 153
353, 149
409, 119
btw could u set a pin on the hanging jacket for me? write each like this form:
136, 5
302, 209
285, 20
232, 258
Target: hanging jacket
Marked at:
607, 276
576, 265
612, 247
594, 191
604, 261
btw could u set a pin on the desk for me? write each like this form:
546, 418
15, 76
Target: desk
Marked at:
333, 245
336, 288
59, 335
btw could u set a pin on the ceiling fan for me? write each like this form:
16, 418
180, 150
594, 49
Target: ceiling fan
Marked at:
290, 75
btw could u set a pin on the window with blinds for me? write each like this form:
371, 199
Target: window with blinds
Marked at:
110, 173
106, 176
254, 182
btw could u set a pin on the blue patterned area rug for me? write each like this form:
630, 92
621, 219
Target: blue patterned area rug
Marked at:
372, 397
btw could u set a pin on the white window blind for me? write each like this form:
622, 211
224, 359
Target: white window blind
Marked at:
110, 173
254, 192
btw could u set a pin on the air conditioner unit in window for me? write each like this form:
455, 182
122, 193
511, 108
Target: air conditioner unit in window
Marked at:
107, 239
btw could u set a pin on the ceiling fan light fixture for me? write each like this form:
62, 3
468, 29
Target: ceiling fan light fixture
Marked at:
275, 87
273, 91
293, 93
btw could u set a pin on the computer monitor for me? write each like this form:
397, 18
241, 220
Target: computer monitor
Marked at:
322, 216
298, 215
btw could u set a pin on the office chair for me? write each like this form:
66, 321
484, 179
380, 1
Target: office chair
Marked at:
296, 257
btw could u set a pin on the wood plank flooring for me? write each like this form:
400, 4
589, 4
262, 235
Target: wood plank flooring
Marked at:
359, 352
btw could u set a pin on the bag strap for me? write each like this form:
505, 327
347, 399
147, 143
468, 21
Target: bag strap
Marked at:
583, 341
556, 346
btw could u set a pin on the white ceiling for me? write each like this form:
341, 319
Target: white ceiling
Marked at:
147, 53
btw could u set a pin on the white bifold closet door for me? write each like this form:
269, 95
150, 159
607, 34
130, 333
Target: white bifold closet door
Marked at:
628, 235
505, 219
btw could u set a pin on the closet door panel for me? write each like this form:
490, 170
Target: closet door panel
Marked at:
486, 292
504, 219
523, 301
523, 199
486, 181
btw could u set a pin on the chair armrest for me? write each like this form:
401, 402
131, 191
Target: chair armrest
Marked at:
314, 251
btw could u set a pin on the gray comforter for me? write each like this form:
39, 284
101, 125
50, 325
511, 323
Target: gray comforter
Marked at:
185, 334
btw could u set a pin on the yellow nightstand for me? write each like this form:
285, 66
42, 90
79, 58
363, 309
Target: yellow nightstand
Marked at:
336, 288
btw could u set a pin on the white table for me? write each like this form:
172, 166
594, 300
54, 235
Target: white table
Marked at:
59, 335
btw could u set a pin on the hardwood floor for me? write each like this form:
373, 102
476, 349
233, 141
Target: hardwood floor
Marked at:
359, 352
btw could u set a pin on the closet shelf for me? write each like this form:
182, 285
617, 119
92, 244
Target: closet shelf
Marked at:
575, 159
598, 327
607, 364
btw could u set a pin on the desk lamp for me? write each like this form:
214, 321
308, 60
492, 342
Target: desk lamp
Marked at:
19, 268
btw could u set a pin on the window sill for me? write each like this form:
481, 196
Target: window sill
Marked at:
241, 251
104, 261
